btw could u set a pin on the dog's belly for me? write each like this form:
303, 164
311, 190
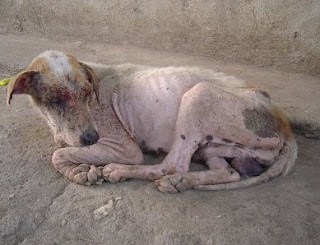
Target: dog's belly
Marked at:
149, 105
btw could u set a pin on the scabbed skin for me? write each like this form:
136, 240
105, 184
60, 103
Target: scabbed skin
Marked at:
107, 115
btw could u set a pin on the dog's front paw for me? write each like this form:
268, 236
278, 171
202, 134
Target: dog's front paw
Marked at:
173, 183
85, 174
113, 172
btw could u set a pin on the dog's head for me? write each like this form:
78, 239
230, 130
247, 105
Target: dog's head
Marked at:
62, 88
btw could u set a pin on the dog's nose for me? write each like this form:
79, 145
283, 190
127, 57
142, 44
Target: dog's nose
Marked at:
89, 137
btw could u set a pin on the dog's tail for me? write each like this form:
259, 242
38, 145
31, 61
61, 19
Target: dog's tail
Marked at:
282, 166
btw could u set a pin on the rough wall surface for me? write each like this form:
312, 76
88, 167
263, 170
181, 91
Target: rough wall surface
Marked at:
280, 33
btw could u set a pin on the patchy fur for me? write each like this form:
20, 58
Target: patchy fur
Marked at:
105, 116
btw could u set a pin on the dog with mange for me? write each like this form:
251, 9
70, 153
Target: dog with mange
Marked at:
104, 117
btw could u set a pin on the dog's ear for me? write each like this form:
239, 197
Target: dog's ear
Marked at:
21, 84
92, 78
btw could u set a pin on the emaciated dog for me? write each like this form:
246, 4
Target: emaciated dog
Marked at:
104, 117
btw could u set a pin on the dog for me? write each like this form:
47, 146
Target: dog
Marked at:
105, 117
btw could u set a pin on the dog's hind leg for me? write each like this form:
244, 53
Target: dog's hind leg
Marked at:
219, 172
82, 164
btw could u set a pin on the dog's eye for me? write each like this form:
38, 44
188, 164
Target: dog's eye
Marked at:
56, 101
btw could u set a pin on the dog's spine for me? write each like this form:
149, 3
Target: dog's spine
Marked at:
281, 166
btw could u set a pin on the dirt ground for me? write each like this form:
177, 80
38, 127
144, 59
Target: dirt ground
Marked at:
39, 206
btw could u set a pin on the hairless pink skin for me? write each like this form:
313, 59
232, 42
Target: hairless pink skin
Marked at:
104, 116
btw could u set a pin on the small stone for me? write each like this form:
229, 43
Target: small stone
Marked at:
118, 198
63, 222
104, 210
219, 216
11, 196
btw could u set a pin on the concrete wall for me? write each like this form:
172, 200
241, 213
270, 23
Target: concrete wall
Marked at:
280, 33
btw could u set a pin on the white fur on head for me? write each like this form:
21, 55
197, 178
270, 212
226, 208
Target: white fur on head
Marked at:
58, 63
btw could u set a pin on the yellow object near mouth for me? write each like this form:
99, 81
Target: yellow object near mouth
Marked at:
5, 81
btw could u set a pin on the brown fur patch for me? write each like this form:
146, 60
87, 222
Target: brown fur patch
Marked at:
39, 64
77, 73
248, 86
23, 83
281, 122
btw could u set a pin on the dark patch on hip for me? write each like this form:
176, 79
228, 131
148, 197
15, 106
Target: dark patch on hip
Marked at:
260, 121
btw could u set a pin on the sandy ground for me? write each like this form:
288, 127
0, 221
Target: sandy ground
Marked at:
38, 206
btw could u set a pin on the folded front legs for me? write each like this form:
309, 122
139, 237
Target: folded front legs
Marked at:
83, 164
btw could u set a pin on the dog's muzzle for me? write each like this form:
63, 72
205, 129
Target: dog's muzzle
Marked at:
89, 137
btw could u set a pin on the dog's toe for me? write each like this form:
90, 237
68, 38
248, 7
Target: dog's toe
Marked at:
183, 185
97, 170
81, 168
164, 185
92, 176
86, 175
113, 177
173, 183
112, 173
106, 171
95, 175
81, 178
